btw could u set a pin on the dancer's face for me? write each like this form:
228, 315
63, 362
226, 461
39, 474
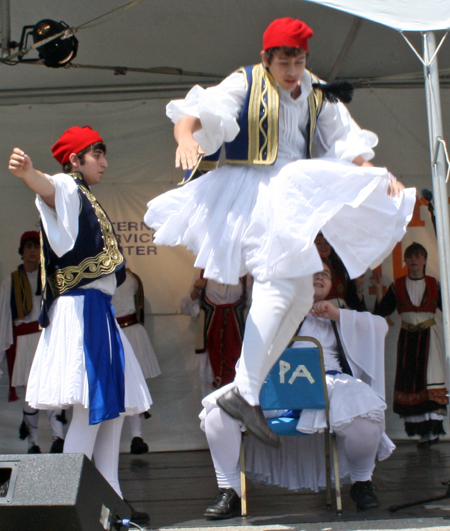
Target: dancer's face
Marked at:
287, 71
416, 263
323, 246
322, 284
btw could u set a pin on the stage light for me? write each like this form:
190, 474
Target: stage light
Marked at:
59, 51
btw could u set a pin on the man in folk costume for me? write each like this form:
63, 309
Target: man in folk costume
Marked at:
420, 394
260, 212
221, 310
353, 349
83, 358
20, 296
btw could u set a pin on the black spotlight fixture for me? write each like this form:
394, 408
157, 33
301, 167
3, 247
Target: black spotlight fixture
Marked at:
55, 53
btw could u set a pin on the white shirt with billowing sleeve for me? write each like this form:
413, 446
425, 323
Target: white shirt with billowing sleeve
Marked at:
337, 134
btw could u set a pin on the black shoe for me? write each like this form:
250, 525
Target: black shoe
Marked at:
138, 446
57, 446
434, 441
34, 449
252, 416
362, 493
136, 516
226, 505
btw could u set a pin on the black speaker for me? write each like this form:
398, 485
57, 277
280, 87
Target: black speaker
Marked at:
56, 492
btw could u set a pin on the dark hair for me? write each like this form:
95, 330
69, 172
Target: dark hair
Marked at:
22, 245
67, 167
415, 248
287, 50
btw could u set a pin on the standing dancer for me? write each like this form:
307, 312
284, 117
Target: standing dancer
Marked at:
83, 358
420, 394
20, 296
260, 213
128, 303
221, 310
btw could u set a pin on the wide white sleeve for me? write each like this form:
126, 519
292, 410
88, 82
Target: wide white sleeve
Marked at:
338, 136
362, 336
6, 330
61, 223
217, 108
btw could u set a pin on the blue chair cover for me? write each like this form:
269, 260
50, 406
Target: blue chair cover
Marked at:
295, 382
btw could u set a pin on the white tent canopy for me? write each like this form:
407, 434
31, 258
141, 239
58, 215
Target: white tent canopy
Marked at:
403, 15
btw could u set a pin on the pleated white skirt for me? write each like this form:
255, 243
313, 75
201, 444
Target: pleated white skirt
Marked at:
58, 376
263, 220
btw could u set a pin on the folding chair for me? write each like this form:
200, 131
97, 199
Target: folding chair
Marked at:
297, 382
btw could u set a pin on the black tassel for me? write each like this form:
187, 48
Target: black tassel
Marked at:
62, 418
336, 91
23, 431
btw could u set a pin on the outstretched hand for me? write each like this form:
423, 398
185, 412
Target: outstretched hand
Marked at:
187, 153
20, 164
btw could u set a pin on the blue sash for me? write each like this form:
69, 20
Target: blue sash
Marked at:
104, 357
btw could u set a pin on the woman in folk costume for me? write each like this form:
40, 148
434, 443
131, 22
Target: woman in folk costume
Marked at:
420, 394
261, 212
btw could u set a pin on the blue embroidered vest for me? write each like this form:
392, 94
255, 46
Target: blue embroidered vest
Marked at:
95, 254
257, 140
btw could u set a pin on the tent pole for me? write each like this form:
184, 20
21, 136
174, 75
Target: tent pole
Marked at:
5, 21
438, 170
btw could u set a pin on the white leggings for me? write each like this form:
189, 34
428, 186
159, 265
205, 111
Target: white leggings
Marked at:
361, 439
101, 441
277, 309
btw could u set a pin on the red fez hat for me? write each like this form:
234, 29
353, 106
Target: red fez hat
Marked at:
287, 32
73, 141
31, 234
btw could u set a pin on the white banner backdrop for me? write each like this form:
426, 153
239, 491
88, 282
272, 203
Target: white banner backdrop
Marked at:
141, 148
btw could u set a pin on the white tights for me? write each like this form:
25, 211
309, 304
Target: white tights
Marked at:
361, 439
101, 441
277, 309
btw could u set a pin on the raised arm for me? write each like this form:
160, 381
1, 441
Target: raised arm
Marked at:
21, 166
188, 148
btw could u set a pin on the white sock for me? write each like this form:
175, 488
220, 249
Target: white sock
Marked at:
361, 441
224, 440
56, 425
135, 422
31, 418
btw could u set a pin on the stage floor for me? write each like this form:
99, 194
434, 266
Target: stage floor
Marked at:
176, 487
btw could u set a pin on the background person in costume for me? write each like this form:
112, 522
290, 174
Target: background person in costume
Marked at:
356, 414
420, 394
221, 310
83, 359
20, 297
128, 303
260, 213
